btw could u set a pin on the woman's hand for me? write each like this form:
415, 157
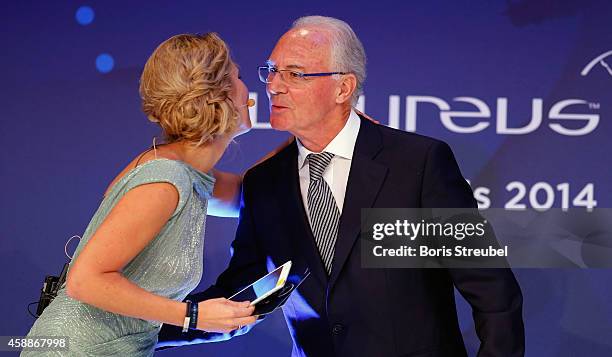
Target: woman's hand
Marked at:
222, 315
366, 116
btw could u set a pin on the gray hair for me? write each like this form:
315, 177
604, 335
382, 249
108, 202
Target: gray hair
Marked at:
348, 54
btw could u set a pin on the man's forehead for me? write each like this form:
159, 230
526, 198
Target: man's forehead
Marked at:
315, 35
300, 48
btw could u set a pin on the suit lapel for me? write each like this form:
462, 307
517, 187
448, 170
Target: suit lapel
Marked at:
366, 178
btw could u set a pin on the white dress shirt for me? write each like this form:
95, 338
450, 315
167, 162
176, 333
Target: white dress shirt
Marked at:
337, 173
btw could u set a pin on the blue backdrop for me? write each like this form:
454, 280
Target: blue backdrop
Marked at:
520, 89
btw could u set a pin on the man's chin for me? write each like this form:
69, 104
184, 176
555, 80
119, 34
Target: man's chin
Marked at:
279, 124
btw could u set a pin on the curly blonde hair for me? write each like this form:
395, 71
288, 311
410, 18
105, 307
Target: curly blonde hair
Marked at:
185, 87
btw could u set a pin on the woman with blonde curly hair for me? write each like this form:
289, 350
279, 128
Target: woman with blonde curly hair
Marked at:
142, 251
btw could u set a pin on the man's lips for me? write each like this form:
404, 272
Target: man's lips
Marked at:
277, 106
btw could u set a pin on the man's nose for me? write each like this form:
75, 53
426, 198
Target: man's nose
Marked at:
277, 85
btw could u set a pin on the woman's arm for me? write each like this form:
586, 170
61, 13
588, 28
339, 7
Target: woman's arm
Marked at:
226, 194
96, 279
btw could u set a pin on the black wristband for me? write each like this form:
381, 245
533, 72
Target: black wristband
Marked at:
193, 315
187, 321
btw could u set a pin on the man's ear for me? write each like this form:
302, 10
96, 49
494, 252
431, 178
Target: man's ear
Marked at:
346, 87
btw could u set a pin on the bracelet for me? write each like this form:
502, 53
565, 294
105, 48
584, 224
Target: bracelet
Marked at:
187, 321
193, 316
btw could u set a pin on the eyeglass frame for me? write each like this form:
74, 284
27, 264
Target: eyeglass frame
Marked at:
300, 74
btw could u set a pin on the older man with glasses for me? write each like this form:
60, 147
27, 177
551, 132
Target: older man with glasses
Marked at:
304, 204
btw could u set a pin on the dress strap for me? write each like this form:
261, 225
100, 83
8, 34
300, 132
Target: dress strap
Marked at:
154, 148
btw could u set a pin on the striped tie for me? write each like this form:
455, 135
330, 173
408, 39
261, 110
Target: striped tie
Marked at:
324, 213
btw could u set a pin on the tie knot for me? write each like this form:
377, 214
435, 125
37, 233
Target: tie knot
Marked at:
318, 163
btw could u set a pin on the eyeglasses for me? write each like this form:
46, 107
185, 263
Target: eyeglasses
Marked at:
290, 77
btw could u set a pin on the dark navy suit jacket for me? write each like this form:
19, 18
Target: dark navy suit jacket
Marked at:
357, 311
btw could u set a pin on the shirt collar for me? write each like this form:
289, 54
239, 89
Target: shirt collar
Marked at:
342, 145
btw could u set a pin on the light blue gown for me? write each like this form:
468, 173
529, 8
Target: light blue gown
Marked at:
170, 265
